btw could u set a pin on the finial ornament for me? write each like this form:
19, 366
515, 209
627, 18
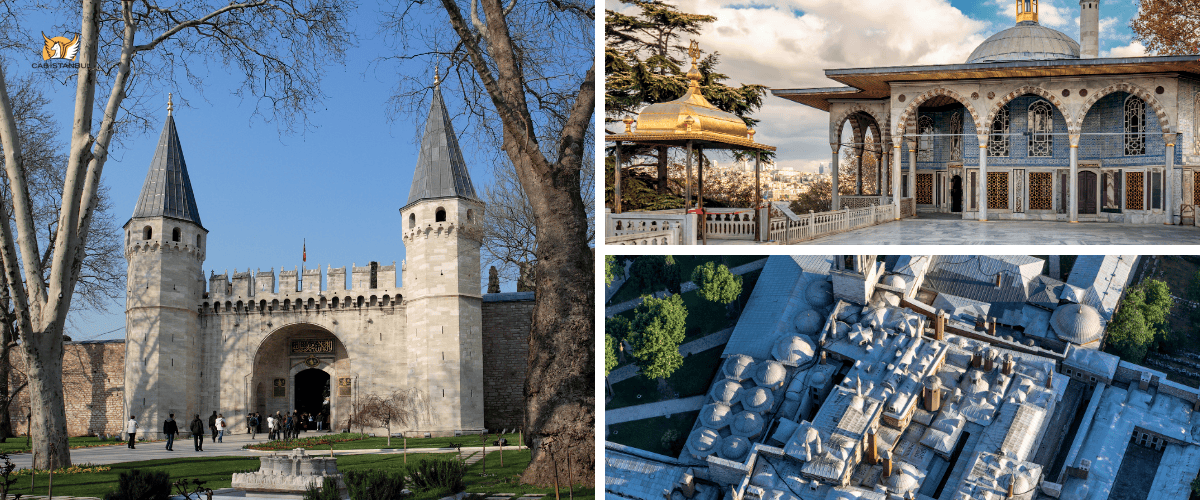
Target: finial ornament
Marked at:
436, 75
694, 73
694, 51
170, 105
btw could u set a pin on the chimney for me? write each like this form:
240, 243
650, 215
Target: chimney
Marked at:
991, 326
1012, 481
1008, 364
1089, 29
872, 448
939, 326
989, 361
887, 463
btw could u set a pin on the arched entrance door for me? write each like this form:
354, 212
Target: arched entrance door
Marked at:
1087, 192
312, 391
956, 194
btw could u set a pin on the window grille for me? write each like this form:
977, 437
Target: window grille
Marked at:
1156, 190
924, 189
997, 190
1196, 189
998, 143
1041, 191
1135, 126
1041, 124
1134, 187
925, 140
956, 127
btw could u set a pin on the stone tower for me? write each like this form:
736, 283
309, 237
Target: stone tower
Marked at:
164, 249
442, 234
1089, 29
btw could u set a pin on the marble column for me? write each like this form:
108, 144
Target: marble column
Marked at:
983, 155
1169, 207
896, 175
833, 182
912, 171
1073, 185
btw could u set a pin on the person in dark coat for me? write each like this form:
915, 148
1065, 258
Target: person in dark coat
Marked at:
197, 430
170, 429
212, 425
252, 425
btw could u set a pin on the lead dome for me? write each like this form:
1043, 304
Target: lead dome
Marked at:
1027, 41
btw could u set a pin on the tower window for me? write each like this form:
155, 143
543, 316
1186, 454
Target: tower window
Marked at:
176, 234
147, 232
470, 215
197, 241
412, 221
440, 215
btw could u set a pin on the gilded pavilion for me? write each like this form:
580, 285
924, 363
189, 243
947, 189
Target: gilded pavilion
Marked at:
1033, 126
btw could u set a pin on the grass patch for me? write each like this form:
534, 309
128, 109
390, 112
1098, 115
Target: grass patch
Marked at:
18, 444
217, 472
647, 434
692, 379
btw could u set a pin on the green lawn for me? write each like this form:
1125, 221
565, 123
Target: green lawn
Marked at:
692, 379
18, 444
217, 472
647, 434
373, 443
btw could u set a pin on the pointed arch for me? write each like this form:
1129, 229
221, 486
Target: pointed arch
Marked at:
836, 132
908, 118
1164, 120
1029, 90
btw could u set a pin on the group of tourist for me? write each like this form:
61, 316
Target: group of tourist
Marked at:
279, 426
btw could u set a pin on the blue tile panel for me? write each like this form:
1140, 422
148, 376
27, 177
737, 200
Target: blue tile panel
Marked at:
1107, 115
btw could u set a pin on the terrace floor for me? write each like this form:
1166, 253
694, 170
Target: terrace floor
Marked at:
930, 231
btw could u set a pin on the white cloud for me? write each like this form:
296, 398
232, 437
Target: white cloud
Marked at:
1134, 49
1106, 29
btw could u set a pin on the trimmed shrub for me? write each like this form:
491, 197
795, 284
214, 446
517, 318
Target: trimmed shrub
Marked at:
327, 491
374, 484
431, 474
138, 485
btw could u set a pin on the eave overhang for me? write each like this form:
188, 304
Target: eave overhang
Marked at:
875, 83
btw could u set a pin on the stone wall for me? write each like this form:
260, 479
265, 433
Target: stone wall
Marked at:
93, 381
507, 319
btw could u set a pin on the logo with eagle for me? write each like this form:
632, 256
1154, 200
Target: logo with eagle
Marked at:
60, 48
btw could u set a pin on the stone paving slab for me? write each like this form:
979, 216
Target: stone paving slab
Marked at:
650, 410
971, 232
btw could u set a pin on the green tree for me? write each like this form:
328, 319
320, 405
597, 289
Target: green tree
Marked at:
644, 57
715, 283
655, 334
610, 354
648, 273
1140, 320
614, 269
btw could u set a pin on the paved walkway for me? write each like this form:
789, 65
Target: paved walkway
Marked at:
616, 309
232, 446
649, 410
699, 345
1001, 232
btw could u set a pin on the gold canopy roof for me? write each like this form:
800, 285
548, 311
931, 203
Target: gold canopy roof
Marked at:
690, 117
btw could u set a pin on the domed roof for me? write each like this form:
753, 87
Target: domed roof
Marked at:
726, 392
1077, 323
746, 424
819, 293
795, 349
759, 399
737, 367
1027, 41
895, 280
770, 374
808, 322
715, 415
734, 448
703, 442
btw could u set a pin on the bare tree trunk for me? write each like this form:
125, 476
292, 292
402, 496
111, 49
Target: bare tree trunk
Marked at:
662, 169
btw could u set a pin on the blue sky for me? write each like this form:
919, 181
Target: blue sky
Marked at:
789, 44
262, 193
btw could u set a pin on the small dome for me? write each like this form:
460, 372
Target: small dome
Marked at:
746, 424
819, 293
1076, 323
976, 384
759, 399
817, 379
895, 280
808, 322
902, 483
1027, 41
715, 415
726, 392
796, 350
736, 367
735, 448
703, 442
770, 374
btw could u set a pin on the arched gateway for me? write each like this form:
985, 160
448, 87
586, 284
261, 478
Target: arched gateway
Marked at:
322, 338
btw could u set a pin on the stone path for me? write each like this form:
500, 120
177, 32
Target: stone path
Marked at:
969, 232
649, 410
105, 455
616, 309
699, 345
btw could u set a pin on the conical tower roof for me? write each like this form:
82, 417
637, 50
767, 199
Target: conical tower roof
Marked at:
441, 171
168, 190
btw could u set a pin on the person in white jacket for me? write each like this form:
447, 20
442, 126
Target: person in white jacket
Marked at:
220, 427
131, 429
